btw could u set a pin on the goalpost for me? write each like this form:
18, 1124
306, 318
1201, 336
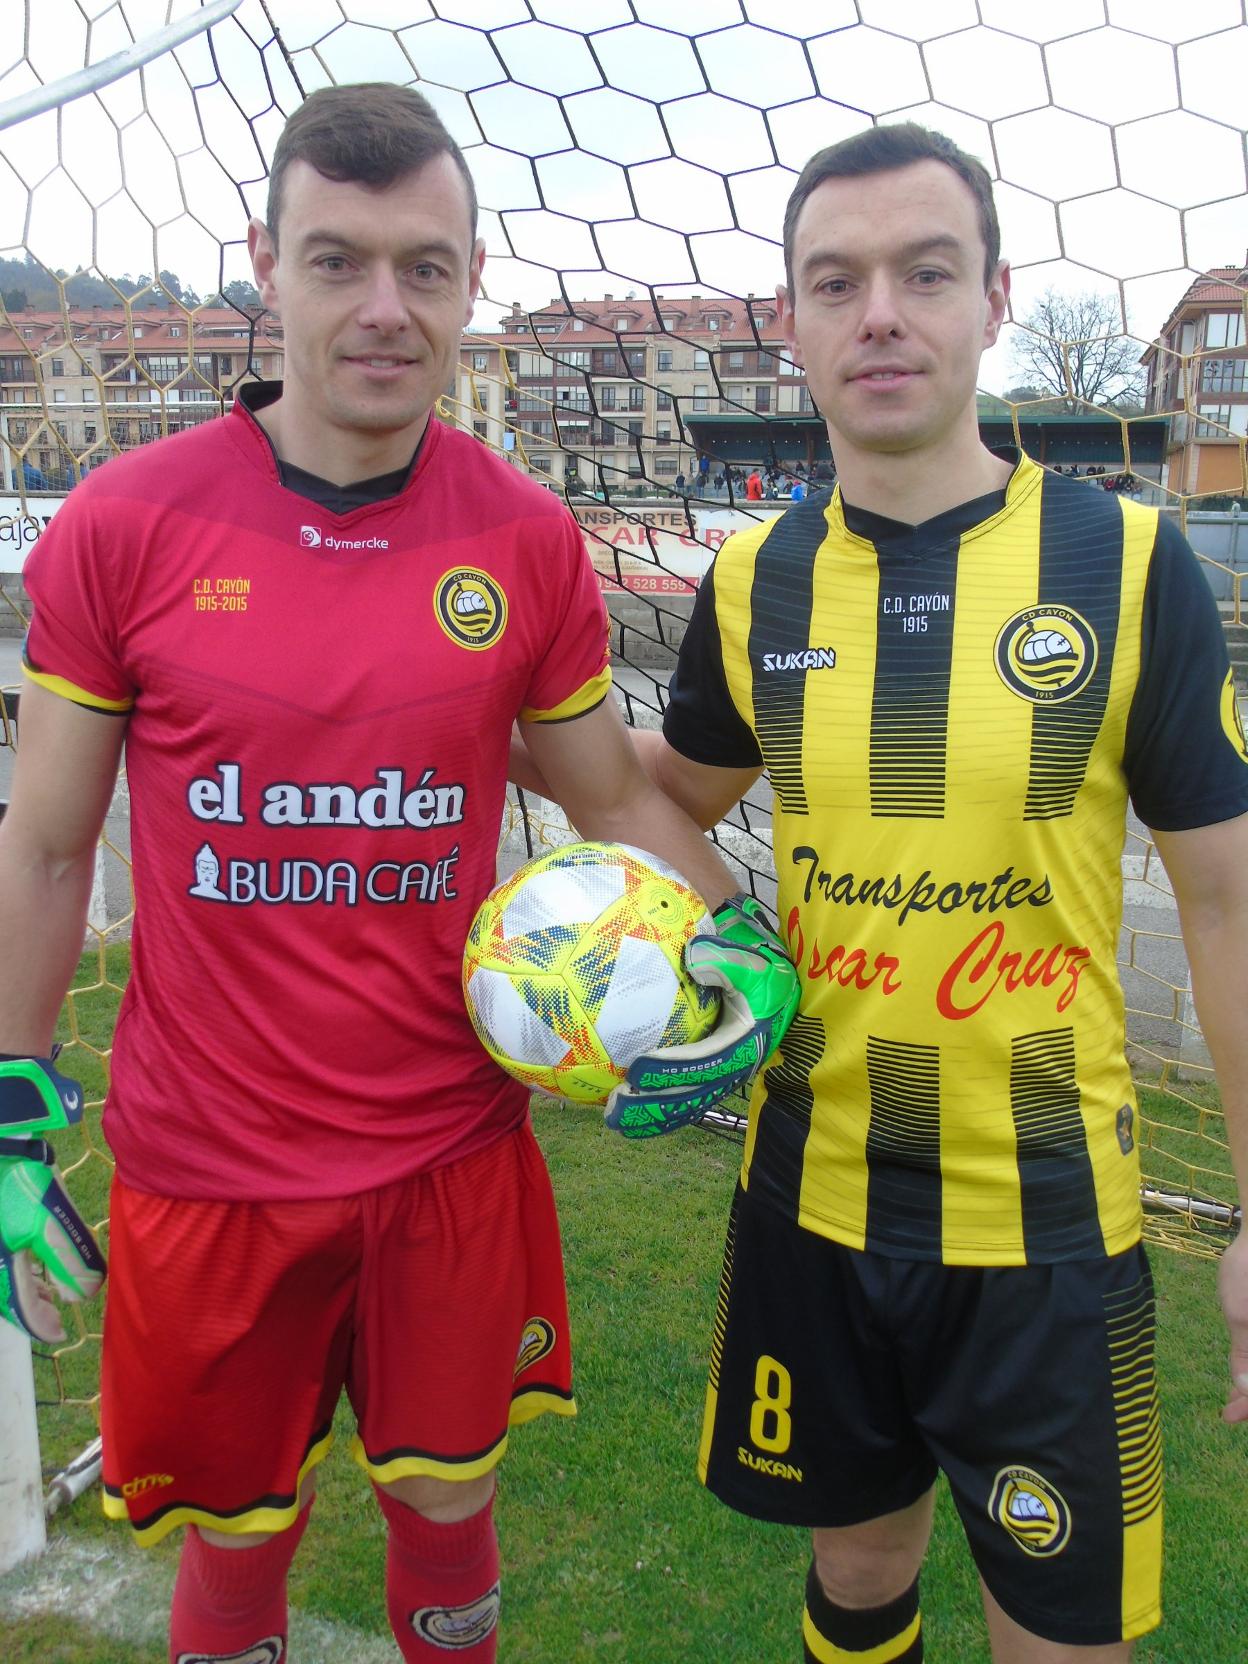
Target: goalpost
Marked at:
627, 169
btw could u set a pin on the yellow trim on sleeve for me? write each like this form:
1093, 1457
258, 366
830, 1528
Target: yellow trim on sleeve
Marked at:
588, 695
234, 1525
70, 690
828, 1653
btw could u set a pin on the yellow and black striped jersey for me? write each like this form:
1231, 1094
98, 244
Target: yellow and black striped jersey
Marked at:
952, 716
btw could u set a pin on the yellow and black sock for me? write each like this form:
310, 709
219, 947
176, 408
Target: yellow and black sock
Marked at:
889, 1634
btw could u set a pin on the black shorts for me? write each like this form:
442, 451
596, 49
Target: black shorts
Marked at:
842, 1382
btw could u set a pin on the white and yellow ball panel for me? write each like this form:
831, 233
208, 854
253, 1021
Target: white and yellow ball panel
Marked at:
575, 966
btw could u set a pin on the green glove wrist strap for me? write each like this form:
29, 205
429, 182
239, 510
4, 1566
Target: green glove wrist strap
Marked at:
35, 1097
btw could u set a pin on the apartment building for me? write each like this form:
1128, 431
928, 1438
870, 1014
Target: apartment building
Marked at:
1198, 369
76, 390
628, 390
613, 391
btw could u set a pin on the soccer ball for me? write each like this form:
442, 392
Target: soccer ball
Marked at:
575, 966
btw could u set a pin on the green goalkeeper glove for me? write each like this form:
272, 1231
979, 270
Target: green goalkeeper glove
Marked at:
40, 1229
677, 1085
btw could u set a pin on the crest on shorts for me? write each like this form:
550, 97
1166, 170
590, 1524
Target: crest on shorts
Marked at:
1033, 1511
1046, 654
269, 1651
536, 1341
471, 607
456, 1627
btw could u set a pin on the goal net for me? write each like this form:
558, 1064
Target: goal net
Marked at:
633, 173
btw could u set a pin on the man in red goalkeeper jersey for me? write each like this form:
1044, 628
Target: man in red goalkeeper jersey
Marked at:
312, 624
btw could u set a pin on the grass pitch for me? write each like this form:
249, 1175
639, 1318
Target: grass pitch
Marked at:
612, 1554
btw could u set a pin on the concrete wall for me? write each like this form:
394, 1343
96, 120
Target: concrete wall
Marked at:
1222, 538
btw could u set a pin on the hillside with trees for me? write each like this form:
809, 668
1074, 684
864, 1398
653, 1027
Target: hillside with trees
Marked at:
25, 284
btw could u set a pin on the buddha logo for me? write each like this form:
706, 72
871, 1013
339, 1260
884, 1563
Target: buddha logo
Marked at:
537, 1340
207, 872
470, 607
454, 1628
1031, 1510
1046, 654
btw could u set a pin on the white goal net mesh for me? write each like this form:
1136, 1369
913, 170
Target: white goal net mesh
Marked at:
633, 173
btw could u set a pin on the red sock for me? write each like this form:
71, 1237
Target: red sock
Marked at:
442, 1584
229, 1604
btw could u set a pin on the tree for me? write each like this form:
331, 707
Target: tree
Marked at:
244, 296
172, 285
1073, 346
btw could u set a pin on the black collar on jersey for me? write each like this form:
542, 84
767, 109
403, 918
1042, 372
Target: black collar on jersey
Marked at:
335, 499
941, 529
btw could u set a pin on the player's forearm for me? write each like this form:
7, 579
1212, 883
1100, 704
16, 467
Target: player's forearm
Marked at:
522, 771
43, 909
651, 821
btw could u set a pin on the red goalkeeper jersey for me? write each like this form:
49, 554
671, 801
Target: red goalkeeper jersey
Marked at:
320, 710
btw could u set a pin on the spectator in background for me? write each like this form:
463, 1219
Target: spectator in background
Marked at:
754, 487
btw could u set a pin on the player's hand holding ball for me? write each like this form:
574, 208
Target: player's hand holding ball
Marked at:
40, 1229
595, 974
676, 1085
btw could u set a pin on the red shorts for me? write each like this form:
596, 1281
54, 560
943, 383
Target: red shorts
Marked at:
232, 1327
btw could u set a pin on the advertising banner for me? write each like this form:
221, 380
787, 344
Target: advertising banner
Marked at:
21, 528
658, 551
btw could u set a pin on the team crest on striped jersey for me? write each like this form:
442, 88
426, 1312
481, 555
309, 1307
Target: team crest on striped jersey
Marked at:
1232, 722
1046, 654
471, 607
1033, 1511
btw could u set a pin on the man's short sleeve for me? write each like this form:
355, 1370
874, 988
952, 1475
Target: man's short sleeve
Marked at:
702, 721
72, 646
1185, 757
574, 674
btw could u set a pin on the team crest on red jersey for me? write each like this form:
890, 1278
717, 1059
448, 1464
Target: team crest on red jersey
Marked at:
470, 607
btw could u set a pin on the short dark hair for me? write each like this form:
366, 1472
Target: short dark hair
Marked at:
881, 150
368, 133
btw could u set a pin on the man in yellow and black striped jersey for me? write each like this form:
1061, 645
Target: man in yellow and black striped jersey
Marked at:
955, 669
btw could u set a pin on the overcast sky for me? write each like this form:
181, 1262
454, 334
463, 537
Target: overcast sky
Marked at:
1112, 125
